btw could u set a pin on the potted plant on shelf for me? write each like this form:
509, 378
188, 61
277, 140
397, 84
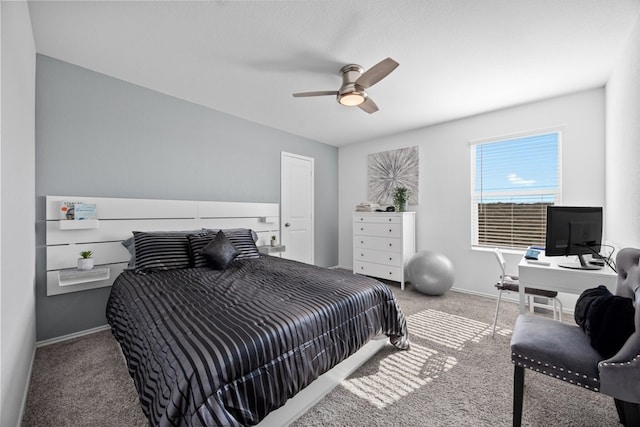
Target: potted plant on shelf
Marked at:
274, 240
400, 198
85, 262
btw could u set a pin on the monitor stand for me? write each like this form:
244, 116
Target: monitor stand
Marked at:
582, 265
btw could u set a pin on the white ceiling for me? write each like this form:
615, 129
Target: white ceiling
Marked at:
457, 57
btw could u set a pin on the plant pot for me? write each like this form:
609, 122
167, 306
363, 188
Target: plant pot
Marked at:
401, 207
274, 243
85, 264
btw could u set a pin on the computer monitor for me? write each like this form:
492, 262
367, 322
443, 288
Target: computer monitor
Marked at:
574, 230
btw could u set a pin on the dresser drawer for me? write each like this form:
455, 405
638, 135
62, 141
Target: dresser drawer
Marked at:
376, 229
378, 270
378, 257
378, 218
377, 243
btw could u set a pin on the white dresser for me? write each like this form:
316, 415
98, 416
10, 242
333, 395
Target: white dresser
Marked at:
383, 244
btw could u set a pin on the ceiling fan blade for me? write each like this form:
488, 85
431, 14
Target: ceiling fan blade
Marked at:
376, 73
319, 93
369, 106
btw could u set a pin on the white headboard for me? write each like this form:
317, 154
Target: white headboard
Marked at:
117, 218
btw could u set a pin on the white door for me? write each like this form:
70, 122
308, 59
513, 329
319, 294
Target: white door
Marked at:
297, 207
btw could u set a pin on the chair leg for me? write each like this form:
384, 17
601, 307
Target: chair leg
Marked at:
555, 315
518, 394
629, 413
559, 308
495, 317
620, 409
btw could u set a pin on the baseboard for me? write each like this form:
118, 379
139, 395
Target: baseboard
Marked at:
340, 267
515, 300
565, 310
479, 294
25, 393
71, 336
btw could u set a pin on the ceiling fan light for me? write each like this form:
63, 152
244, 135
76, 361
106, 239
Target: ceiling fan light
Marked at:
351, 99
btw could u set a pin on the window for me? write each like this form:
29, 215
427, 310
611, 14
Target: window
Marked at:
514, 180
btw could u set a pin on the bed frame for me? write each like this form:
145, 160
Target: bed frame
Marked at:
118, 217
305, 399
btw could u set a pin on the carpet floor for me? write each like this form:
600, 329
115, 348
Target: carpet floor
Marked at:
455, 374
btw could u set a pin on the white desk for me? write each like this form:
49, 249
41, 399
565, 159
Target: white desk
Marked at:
561, 279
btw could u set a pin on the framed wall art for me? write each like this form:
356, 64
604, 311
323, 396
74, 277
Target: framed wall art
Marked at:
391, 169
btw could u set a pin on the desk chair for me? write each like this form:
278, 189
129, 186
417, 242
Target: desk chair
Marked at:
511, 283
564, 351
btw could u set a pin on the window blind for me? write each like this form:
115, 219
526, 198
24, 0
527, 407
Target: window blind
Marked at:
513, 183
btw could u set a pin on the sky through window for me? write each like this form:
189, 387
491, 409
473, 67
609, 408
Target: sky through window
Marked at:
519, 165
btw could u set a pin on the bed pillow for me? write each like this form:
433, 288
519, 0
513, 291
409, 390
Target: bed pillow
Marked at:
130, 243
161, 251
232, 230
241, 238
219, 253
197, 242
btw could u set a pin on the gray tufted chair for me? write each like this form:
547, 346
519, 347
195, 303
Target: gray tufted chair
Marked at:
563, 351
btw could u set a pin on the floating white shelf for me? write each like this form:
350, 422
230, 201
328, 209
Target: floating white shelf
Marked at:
81, 224
269, 219
73, 276
268, 249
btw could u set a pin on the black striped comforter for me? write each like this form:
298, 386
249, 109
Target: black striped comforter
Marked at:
208, 347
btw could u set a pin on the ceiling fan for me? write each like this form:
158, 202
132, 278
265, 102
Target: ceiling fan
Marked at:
355, 81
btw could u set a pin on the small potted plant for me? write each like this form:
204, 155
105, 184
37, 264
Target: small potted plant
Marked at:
274, 240
85, 262
400, 198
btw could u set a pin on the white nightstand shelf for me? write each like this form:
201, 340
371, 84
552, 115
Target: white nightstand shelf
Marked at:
268, 249
80, 224
269, 219
73, 276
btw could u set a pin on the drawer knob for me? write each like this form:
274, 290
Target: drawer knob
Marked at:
361, 268
361, 228
389, 219
390, 244
390, 273
361, 241
390, 230
390, 259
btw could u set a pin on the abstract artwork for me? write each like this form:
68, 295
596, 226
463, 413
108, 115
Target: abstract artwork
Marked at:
391, 169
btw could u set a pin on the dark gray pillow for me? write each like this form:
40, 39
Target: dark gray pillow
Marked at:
197, 242
228, 231
219, 253
130, 243
241, 238
161, 251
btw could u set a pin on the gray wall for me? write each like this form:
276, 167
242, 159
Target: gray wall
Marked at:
99, 136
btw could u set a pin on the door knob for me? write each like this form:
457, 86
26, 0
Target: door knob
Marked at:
287, 225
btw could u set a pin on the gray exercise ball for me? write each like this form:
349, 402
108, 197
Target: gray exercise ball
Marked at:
430, 272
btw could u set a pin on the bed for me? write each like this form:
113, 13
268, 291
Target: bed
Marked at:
228, 346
